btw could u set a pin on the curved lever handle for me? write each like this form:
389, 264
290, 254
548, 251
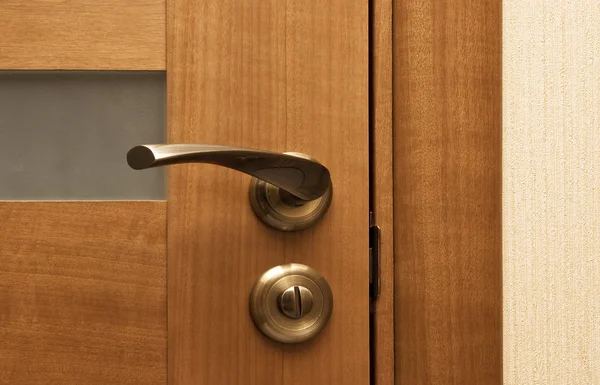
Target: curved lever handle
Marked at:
304, 178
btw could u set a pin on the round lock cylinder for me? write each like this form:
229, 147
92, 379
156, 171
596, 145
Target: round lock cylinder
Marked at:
291, 303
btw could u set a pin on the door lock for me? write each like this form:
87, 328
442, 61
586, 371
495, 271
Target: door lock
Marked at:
289, 191
291, 303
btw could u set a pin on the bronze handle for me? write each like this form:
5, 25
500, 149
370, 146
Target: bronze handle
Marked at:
300, 180
302, 177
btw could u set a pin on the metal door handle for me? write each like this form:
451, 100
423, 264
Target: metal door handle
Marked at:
300, 176
289, 191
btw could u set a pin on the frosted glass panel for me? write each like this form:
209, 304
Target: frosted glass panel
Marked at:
64, 134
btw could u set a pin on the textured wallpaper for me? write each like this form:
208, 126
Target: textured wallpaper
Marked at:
551, 191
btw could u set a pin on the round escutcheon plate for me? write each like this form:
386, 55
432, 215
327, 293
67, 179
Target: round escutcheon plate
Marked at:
270, 309
282, 211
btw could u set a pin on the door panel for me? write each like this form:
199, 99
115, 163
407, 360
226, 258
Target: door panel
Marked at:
280, 76
83, 293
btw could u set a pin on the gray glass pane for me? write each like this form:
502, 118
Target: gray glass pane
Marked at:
64, 134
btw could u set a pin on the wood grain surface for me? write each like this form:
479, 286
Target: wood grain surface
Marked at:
280, 76
447, 192
83, 293
82, 35
382, 190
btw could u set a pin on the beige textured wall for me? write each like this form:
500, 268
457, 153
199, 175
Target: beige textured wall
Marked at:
551, 193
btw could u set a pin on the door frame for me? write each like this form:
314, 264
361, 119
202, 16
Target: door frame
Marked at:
381, 182
435, 130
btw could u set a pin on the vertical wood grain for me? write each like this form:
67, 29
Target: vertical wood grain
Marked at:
226, 85
447, 191
551, 196
83, 293
280, 76
383, 182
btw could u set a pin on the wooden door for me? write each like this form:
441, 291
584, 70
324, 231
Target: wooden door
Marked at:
155, 292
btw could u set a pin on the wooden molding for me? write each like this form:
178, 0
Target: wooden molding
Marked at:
447, 191
82, 35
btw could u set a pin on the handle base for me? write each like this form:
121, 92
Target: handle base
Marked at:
275, 208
